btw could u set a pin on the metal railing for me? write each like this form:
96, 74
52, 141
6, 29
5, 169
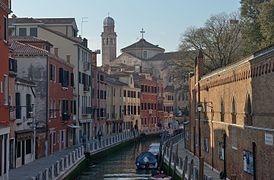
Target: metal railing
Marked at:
64, 164
184, 167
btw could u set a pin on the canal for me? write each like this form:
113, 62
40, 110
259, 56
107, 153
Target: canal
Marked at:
119, 165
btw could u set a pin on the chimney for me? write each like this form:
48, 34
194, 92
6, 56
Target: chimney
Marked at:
199, 65
85, 42
68, 58
56, 52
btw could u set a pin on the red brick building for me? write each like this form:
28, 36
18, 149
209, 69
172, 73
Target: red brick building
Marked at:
4, 73
151, 102
61, 83
55, 104
236, 120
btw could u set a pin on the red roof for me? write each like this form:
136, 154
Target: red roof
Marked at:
26, 49
29, 39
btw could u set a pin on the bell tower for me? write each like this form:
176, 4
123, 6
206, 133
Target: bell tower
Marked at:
108, 41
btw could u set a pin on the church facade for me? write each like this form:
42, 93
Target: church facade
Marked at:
143, 57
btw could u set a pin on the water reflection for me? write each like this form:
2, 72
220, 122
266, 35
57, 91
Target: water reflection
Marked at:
119, 165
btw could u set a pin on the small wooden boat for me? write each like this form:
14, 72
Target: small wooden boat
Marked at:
161, 176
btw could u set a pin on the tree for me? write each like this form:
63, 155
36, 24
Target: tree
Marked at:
257, 19
266, 20
220, 40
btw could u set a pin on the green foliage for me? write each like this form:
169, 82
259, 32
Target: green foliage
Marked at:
258, 22
266, 20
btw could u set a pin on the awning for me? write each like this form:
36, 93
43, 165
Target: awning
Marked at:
73, 126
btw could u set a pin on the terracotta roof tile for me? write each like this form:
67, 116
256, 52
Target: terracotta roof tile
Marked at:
56, 20
26, 49
28, 39
166, 56
22, 20
142, 43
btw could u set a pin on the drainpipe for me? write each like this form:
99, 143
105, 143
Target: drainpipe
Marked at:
224, 137
78, 98
254, 160
47, 113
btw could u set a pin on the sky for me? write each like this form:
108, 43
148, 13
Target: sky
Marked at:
164, 21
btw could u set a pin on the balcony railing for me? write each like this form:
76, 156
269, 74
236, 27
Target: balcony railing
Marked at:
65, 116
86, 87
86, 66
89, 110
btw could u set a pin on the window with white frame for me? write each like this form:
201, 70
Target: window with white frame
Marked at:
6, 91
248, 162
234, 142
221, 150
22, 31
50, 108
206, 149
52, 71
60, 108
33, 32
5, 28
62, 135
54, 108
54, 137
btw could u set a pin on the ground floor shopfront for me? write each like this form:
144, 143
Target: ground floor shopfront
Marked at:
4, 153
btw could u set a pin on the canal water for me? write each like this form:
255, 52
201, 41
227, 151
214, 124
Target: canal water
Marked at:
120, 165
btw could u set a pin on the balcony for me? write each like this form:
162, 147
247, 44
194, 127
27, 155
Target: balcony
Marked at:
13, 65
89, 110
86, 66
86, 87
113, 115
65, 116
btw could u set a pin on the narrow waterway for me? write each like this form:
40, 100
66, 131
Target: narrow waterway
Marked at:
119, 165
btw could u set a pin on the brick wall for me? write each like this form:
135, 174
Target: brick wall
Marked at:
241, 93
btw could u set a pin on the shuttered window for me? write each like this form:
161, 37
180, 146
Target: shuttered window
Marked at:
60, 75
28, 106
18, 105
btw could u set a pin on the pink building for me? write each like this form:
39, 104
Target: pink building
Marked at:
99, 95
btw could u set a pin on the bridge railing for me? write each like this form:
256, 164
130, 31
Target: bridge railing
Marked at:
105, 142
61, 166
184, 167
65, 163
151, 130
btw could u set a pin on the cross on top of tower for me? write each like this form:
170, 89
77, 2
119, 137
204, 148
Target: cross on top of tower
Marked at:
142, 32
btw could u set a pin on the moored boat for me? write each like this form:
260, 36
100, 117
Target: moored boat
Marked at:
146, 160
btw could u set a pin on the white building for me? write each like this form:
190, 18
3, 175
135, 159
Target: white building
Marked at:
22, 149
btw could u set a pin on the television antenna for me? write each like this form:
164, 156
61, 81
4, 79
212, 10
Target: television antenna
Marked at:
83, 20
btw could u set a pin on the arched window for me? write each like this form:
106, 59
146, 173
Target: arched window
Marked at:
222, 110
233, 111
248, 111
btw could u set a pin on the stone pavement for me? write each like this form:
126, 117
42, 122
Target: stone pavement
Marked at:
183, 153
33, 168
